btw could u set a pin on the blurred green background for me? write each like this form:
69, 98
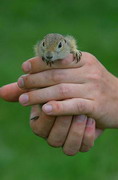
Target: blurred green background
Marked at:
24, 156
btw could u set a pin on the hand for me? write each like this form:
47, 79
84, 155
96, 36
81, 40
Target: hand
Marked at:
11, 92
82, 88
55, 130
72, 133
52, 128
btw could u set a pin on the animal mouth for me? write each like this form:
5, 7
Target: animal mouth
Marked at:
46, 59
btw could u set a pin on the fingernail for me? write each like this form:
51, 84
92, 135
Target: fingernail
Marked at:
47, 108
80, 118
34, 118
24, 98
21, 82
26, 66
90, 121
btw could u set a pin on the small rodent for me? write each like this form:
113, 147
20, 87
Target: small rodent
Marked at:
56, 46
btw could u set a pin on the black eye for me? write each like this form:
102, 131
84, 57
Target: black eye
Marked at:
43, 44
60, 45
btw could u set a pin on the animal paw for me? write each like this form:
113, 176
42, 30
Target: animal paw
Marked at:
77, 55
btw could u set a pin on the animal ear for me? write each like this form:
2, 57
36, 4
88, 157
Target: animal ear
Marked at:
65, 40
43, 43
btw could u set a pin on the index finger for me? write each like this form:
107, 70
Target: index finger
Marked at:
36, 64
11, 92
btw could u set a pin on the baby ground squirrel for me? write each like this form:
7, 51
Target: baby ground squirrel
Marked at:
56, 46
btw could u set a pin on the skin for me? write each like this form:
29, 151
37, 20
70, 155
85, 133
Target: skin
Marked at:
11, 92
80, 129
82, 132
66, 90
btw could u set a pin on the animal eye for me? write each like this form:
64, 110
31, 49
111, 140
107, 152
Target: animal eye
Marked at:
60, 45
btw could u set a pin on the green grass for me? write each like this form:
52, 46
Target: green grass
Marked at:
23, 156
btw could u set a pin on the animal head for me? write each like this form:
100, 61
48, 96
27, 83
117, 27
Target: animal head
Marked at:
53, 47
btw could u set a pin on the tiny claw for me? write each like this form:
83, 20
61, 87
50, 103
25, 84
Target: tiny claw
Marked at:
50, 63
43, 58
77, 56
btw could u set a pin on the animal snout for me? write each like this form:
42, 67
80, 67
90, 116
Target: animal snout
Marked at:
49, 57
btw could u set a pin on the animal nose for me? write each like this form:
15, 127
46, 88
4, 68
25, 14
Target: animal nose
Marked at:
49, 57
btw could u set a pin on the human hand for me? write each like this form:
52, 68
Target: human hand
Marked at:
37, 80
72, 133
82, 88
56, 130
11, 92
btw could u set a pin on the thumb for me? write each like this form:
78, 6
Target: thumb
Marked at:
73, 106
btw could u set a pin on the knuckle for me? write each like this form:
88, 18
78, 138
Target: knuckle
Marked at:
95, 75
57, 76
80, 107
77, 134
25, 78
64, 90
57, 107
28, 81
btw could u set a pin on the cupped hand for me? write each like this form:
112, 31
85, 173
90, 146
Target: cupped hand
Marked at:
42, 76
72, 88
72, 133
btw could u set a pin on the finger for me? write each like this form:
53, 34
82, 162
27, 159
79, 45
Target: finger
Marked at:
89, 136
98, 132
73, 106
40, 123
52, 77
57, 92
75, 136
11, 92
36, 64
35, 112
59, 131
